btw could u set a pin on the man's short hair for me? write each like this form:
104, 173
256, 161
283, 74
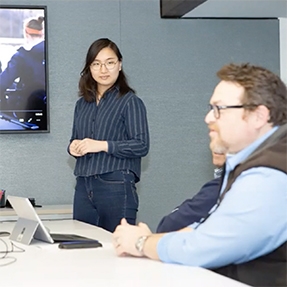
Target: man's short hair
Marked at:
262, 87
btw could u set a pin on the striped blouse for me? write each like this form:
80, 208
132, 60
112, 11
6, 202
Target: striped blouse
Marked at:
122, 122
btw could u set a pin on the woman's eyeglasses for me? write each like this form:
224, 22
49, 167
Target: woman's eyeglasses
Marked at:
96, 66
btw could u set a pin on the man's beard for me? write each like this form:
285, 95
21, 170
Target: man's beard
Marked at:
217, 145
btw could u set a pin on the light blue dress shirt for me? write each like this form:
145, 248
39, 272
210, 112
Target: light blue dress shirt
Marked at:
251, 220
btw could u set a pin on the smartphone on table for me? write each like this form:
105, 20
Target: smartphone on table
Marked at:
80, 244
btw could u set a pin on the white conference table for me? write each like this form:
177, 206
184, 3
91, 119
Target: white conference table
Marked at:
43, 264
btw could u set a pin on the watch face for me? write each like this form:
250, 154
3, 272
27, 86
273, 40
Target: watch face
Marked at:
138, 246
140, 243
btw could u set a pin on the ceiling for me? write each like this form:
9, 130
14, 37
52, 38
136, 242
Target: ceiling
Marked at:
223, 8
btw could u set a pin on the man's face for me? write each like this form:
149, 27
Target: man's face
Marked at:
234, 126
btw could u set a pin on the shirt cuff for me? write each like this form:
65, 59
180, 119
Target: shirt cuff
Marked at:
163, 247
112, 148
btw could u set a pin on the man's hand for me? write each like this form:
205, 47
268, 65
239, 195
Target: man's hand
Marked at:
125, 237
87, 145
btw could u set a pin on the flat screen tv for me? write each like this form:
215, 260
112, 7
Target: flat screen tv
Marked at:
24, 98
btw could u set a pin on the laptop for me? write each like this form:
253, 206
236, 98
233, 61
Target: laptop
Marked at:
29, 225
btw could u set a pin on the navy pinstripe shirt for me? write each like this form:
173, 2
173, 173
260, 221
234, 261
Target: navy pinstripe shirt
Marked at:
122, 122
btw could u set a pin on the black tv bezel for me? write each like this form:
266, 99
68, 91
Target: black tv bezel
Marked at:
44, 8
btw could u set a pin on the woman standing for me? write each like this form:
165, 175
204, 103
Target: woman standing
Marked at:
110, 136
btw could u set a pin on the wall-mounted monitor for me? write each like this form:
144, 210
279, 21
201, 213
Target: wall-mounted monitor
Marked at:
24, 98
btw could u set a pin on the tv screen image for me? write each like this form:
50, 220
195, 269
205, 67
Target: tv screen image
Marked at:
23, 69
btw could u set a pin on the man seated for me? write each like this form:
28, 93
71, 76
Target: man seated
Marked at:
244, 236
193, 209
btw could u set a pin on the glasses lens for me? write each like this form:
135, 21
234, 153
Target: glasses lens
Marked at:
110, 64
215, 110
95, 66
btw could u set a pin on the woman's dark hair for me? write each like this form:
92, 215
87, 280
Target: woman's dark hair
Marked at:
34, 26
87, 85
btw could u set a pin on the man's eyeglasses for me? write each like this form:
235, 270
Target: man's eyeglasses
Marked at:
216, 109
96, 66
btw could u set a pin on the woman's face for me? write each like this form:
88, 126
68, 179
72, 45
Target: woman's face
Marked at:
105, 69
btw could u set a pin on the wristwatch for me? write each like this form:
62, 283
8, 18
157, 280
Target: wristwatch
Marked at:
140, 244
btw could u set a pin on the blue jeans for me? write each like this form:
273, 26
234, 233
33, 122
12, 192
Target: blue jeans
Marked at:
104, 199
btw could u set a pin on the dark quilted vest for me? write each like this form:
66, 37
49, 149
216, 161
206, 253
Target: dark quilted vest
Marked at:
271, 269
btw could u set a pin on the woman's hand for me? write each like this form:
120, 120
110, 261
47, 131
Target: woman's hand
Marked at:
87, 145
73, 148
